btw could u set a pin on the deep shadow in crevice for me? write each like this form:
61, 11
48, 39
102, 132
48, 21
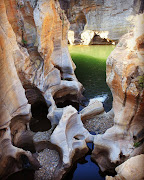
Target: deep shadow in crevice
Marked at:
22, 175
66, 100
67, 103
39, 120
39, 109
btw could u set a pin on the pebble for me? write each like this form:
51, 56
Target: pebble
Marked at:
42, 136
49, 160
99, 124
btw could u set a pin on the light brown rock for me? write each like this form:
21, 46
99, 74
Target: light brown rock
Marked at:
94, 108
132, 169
99, 17
125, 72
71, 137
35, 65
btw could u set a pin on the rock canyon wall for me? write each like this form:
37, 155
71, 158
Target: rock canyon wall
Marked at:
99, 21
125, 77
36, 67
37, 73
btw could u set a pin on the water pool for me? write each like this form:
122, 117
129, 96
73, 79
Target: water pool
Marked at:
91, 71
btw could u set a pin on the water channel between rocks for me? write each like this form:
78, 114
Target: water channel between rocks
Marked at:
91, 72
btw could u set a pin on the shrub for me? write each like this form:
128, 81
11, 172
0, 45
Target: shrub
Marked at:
141, 81
24, 41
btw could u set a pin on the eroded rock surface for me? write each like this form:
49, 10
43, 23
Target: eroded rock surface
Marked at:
94, 108
35, 66
68, 141
99, 21
125, 77
71, 137
132, 169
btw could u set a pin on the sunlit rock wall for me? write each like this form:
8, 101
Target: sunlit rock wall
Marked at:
99, 18
34, 63
125, 77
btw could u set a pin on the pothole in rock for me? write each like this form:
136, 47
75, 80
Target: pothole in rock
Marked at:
85, 168
39, 120
72, 100
39, 109
26, 173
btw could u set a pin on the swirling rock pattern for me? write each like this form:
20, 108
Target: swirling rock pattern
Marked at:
125, 73
35, 65
71, 137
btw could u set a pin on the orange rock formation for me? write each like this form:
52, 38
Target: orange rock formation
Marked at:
35, 63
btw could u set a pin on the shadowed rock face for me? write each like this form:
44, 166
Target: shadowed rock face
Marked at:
108, 19
34, 56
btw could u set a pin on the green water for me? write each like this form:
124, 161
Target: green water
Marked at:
91, 71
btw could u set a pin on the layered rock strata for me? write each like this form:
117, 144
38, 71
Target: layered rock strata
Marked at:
35, 67
99, 21
125, 77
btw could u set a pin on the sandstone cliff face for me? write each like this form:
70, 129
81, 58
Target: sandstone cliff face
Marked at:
125, 77
92, 20
132, 169
35, 66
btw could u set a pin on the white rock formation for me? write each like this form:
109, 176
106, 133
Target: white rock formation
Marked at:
70, 136
86, 37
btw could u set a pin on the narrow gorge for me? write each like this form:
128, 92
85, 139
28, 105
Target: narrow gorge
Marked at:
51, 120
